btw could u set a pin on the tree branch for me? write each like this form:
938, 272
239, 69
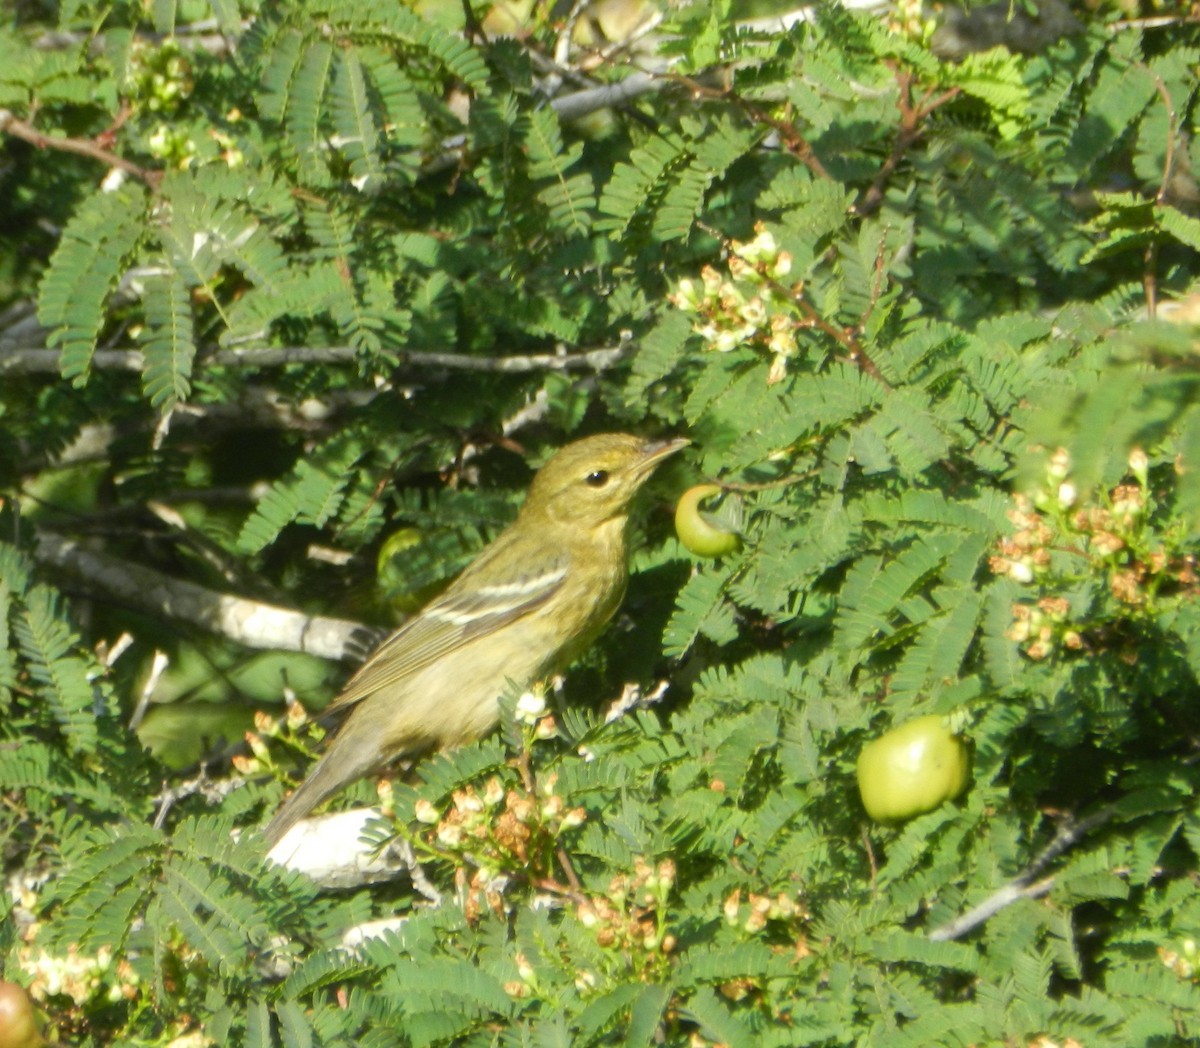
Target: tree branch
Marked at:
912, 121
13, 125
30, 360
1024, 885
248, 622
329, 849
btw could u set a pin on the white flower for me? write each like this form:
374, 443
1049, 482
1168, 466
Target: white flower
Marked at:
1139, 464
754, 312
727, 341
1059, 465
687, 295
759, 249
450, 835
530, 707
1020, 571
493, 792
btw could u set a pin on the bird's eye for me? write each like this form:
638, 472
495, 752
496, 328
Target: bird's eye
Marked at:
597, 478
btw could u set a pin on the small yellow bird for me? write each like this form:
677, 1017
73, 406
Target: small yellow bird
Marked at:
528, 604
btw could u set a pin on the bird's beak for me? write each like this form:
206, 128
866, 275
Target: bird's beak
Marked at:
654, 451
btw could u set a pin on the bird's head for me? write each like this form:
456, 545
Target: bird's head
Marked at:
593, 480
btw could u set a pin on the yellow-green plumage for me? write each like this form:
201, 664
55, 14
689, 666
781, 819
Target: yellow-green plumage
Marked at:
530, 602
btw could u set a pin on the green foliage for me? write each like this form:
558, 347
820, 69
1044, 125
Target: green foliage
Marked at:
168, 342
91, 257
934, 322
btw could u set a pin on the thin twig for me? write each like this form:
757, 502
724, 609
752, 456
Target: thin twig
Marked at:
1150, 256
871, 860
403, 848
207, 550
212, 790
1150, 277
529, 781
606, 54
1169, 149
854, 350
1153, 22
562, 46
912, 120
767, 485
157, 668
1025, 885
845, 337
878, 283
793, 141
30, 360
12, 125
992, 905
590, 100
568, 107
472, 27
203, 34
632, 697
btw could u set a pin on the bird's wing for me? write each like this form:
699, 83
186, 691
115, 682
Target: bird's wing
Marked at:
465, 611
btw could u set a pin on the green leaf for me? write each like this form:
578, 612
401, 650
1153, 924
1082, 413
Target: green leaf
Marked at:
91, 256
60, 675
356, 132
701, 608
168, 342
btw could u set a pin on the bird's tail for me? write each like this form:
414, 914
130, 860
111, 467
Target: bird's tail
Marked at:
349, 757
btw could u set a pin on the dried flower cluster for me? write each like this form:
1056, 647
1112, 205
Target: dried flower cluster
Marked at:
295, 730
1060, 542
749, 307
76, 984
83, 977
911, 19
753, 915
631, 919
628, 922
497, 833
1184, 962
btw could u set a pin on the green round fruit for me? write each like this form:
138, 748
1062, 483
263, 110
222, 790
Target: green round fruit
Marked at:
697, 530
912, 769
